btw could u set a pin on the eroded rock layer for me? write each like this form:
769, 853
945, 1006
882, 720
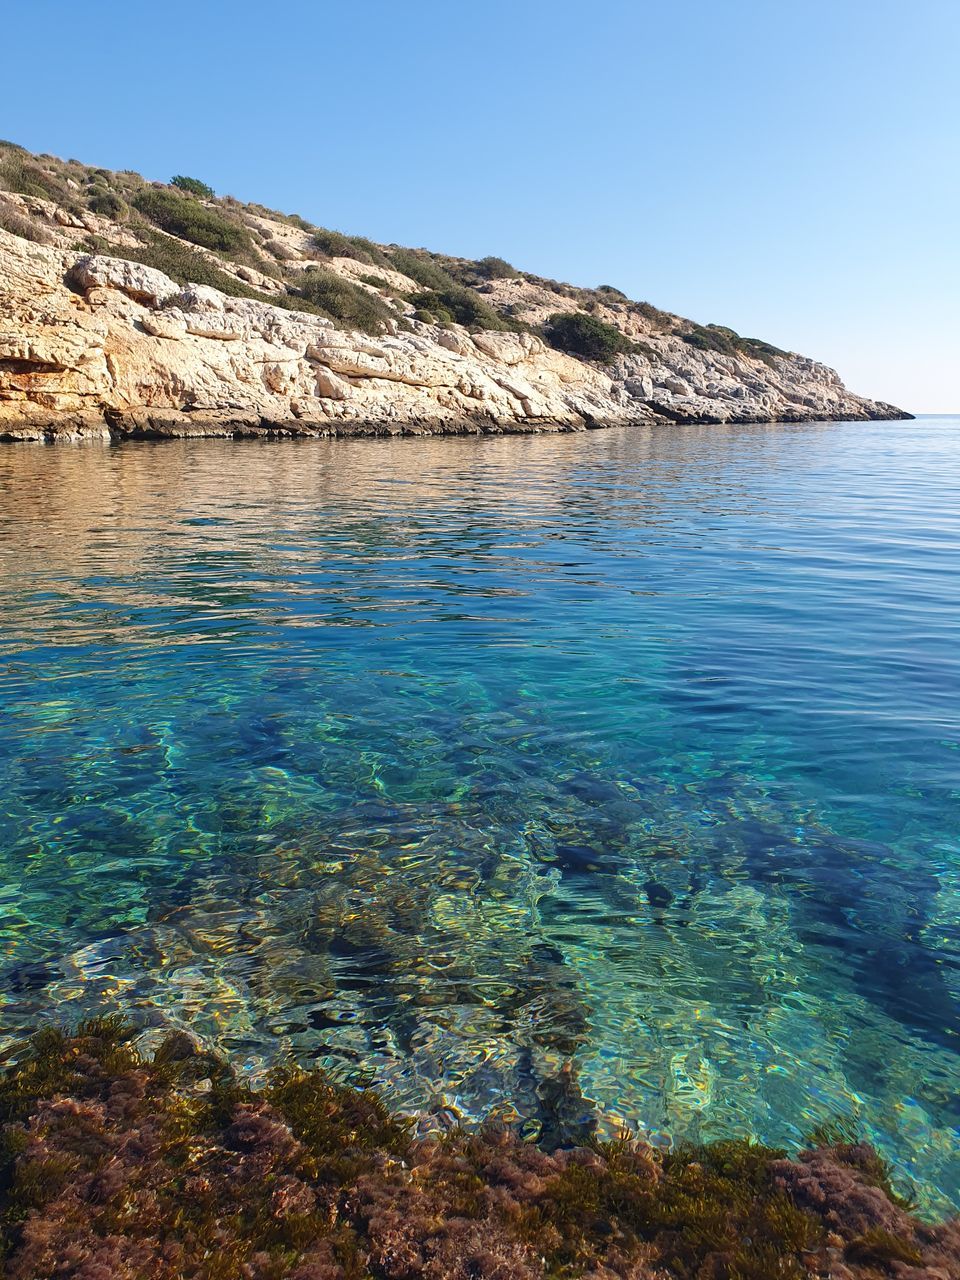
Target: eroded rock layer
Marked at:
95, 345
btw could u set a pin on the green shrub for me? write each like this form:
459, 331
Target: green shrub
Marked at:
711, 338
611, 292
184, 265
660, 320
462, 306
444, 296
378, 282
333, 243
365, 250
291, 219
108, 204
727, 342
586, 336
280, 251
337, 245
496, 269
761, 350
21, 175
194, 186
424, 316
344, 301
185, 217
175, 259
421, 268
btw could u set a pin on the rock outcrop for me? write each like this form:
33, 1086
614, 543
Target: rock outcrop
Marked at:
94, 344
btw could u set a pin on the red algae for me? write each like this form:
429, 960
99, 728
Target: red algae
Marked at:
119, 1168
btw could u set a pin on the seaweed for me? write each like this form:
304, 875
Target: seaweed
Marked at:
118, 1166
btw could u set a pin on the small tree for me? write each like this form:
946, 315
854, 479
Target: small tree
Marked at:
496, 269
194, 186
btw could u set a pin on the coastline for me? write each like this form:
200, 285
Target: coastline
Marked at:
100, 346
116, 427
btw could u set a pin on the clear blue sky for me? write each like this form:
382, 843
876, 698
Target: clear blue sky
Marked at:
791, 169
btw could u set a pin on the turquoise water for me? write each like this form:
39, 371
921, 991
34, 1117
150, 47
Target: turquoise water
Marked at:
591, 779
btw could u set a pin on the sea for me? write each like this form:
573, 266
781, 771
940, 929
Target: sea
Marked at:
597, 782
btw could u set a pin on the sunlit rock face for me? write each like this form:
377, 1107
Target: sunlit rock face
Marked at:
95, 345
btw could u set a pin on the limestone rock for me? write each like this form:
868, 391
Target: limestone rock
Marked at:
508, 348
92, 345
145, 284
330, 387
164, 325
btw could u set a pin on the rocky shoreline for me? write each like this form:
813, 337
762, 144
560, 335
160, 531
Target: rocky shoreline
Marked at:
98, 345
117, 428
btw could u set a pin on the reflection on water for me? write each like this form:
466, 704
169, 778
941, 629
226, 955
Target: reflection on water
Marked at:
607, 778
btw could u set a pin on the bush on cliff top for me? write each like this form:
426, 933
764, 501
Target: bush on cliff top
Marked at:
496, 269
727, 342
444, 296
586, 336
108, 204
20, 224
116, 1165
193, 186
461, 305
21, 174
337, 245
422, 268
174, 259
184, 265
343, 301
183, 216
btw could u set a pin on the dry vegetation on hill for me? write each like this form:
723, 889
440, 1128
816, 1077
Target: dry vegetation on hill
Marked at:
448, 289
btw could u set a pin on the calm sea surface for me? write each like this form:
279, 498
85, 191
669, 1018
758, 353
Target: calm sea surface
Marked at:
585, 779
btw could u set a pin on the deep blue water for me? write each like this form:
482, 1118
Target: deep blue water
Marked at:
605, 776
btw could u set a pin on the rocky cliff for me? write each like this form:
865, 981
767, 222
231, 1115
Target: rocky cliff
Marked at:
135, 309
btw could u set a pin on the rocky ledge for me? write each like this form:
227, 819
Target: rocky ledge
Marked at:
94, 345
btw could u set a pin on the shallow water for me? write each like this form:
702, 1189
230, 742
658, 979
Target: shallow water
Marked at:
611, 775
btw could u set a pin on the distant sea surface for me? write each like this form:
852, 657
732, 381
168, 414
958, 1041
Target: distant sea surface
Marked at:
586, 780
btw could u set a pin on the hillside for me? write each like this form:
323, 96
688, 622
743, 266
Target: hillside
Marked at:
132, 308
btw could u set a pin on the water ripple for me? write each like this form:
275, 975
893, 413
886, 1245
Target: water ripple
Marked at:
611, 776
